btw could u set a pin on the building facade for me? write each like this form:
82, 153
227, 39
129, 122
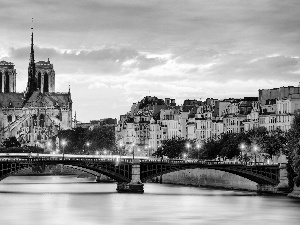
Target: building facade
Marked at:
36, 115
203, 120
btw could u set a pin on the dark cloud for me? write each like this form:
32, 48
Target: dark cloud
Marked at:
106, 60
213, 43
242, 67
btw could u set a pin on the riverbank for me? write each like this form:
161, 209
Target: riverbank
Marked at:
216, 179
295, 193
209, 178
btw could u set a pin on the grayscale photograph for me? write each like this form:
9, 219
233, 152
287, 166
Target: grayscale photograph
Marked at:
123, 112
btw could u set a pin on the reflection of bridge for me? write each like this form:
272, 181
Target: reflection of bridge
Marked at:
134, 172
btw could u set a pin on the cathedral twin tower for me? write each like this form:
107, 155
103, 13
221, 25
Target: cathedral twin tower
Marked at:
36, 116
41, 76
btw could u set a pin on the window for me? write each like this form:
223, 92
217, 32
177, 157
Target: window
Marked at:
9, 118
46, 82
0, 82
42, 120
6, 83
39, 80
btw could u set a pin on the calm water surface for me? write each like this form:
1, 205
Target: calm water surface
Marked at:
48, 200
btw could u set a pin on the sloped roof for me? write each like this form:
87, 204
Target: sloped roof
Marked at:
13, 100
49, 99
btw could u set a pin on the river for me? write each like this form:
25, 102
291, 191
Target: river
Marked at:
67, 200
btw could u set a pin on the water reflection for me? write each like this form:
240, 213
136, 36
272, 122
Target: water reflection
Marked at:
68, 200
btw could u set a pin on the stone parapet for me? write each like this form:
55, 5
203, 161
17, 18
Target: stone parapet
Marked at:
295, 193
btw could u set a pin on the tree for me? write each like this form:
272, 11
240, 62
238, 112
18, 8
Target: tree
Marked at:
100, 138
11, 142
210, 149
75, 139
292, 151
173, 148
276, 142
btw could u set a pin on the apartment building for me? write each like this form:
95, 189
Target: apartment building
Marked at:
153, 120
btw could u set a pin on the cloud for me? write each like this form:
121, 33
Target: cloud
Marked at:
171, 48
107, 60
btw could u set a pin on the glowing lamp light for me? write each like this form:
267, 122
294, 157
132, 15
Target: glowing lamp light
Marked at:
243, 146
63, 142
255, 148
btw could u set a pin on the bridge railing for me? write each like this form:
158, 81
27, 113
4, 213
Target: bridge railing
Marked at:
61, 159
44, 157
206, 162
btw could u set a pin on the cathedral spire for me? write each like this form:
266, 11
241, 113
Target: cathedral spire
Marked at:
31, 63
32, 81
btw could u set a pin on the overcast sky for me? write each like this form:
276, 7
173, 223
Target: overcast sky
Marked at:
115, 52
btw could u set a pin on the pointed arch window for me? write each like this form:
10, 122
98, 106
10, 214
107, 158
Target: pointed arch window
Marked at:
39, 80
46, 82
6, 82
42, 120
9, 118
0, 82
34, 120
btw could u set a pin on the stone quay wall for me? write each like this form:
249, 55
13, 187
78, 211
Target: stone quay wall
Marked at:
295, 193
209, 178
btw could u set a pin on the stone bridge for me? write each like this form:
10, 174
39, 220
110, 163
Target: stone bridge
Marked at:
132, 173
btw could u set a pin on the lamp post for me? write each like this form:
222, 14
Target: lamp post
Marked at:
188, 147
88, 145
121, 145
49, 145
255, 149
243, 148
133, 151
63, 143
198, 149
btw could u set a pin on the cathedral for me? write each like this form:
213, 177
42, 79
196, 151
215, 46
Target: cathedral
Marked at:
37, 114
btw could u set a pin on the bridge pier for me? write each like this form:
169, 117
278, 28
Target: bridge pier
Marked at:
135, 185
98, 178
281, 188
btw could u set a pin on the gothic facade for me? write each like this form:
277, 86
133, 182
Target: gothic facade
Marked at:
37, 114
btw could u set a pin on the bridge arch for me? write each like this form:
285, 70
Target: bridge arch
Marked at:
119, 173
262, 175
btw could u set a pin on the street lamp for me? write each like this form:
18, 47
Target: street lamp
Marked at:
255, 149
120, 150
49, 145
198, 149
88, 145
63, 143
133, 151
188, 147
243, 148
149, 150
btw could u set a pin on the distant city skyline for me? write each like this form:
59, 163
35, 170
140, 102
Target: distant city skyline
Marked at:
114, 52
